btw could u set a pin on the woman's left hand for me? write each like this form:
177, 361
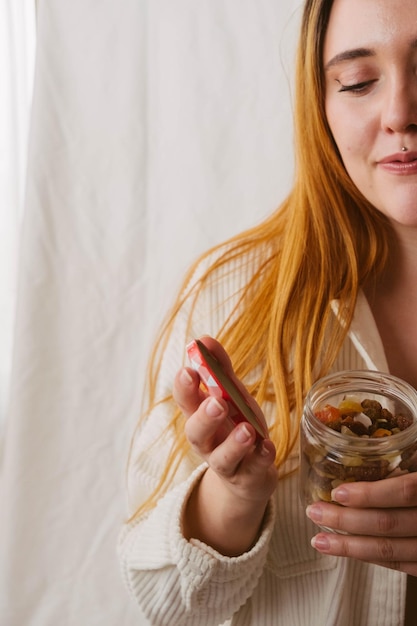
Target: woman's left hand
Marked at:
380, 518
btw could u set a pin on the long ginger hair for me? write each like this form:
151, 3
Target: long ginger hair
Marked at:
325, 241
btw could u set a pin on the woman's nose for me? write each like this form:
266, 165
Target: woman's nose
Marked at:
400, 107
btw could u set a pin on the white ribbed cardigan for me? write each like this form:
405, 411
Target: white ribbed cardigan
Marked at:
282, 581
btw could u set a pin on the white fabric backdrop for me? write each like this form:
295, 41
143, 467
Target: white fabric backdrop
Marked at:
17, 53
159, 127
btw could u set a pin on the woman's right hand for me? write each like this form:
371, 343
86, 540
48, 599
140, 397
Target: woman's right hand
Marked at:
227, 507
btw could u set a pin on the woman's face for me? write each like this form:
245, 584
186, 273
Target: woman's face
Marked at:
370, 64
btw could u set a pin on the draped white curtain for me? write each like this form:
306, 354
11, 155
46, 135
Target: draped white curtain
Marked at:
17, 55
158, 128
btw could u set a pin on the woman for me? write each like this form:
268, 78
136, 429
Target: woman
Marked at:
328, 282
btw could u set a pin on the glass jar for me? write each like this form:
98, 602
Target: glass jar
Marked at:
329, 458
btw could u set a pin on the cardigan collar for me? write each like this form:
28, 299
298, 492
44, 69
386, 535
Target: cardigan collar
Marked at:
364, 334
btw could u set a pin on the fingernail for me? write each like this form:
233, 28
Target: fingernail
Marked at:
264, 450
242, 434
214, 408
314, 512
321, 543
186, 377
340, 494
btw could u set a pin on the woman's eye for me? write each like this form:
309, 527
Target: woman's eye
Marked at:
356, 87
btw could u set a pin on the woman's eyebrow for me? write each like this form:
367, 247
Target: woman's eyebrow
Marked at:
357, 53
348, 55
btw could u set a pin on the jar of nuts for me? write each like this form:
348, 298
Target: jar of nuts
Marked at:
356, 425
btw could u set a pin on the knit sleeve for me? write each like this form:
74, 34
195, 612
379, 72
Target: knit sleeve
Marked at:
182, 582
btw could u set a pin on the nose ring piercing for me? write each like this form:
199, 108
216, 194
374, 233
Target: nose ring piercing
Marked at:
404, 149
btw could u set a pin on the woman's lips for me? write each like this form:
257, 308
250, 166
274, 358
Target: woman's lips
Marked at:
400, 163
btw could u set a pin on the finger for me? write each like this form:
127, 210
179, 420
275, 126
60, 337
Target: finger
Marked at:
239, 454
186, 391
247, 469
390, 552
207, 427
375, 522
226, 458
400, 491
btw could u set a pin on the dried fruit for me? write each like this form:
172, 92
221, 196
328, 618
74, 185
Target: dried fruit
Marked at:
362, 419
